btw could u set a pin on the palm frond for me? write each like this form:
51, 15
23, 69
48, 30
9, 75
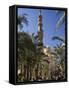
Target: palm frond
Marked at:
24, 20
58, 38
21, 20
60, 21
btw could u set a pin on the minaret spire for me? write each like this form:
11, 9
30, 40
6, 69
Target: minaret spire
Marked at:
40, 31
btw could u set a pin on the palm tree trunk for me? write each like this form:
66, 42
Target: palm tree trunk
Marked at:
25, 72
21, 68
36, 71
28, 72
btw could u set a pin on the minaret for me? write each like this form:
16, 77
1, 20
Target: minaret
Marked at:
40, 31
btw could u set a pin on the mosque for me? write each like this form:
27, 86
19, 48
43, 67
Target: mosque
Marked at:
47, 60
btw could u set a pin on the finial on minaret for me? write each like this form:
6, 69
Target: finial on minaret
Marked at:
40, 12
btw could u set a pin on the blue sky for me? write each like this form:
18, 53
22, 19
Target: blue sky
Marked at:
49, 19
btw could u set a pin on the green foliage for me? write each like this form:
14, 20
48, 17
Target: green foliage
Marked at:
59, 51
26, 46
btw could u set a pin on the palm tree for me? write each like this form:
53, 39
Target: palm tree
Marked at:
59, 53
28, 53
60, 49
21, 20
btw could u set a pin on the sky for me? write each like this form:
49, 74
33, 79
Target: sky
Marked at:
49, 20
